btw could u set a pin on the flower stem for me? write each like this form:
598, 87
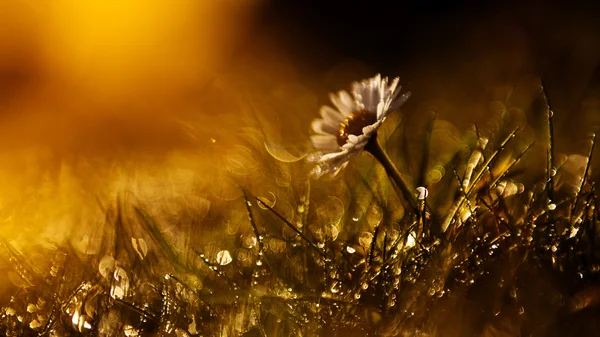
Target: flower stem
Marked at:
374, 148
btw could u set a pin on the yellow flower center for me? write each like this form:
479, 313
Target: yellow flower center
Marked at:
353, 125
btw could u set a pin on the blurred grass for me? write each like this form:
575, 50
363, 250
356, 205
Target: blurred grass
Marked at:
341, 256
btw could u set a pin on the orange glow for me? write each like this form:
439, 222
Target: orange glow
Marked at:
123, 48
93, 98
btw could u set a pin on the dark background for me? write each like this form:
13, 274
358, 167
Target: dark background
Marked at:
389, 34
454, 51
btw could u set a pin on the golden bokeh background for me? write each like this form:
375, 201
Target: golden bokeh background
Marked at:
178, 102
172, 105
95, 100
112, 73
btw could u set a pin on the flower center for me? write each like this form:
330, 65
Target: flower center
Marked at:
353, 125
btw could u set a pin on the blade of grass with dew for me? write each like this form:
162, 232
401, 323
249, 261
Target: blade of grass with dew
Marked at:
295, 229
495, 216
550, 168
152, 228
55, 300
474, 159
253, 223
584, 178
259, 238
373, 244
20, 264
141, 312
121, 238
513, 163
379, 201
191, 290
509, 218
212, 268
485, 168
462, 191
290, 225
306, 210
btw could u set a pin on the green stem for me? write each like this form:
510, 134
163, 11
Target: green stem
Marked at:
377, 151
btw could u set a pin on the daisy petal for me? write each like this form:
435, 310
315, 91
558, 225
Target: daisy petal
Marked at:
343, 102
331, 163
383, 85
361, 142
314, 157
369, 129
331, 116
395, 93
381, 111
360, 146
359, 101
391, 90
322, 127
399, 102
361, 95
348, 101
372, 91
324, 142
376, 80
333, 155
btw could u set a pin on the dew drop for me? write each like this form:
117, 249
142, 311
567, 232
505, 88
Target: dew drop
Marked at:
410, 240
423, 193
224, 257
513, 293
574, 231
106, 266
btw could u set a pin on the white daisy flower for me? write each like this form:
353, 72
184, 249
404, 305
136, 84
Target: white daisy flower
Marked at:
344, 132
